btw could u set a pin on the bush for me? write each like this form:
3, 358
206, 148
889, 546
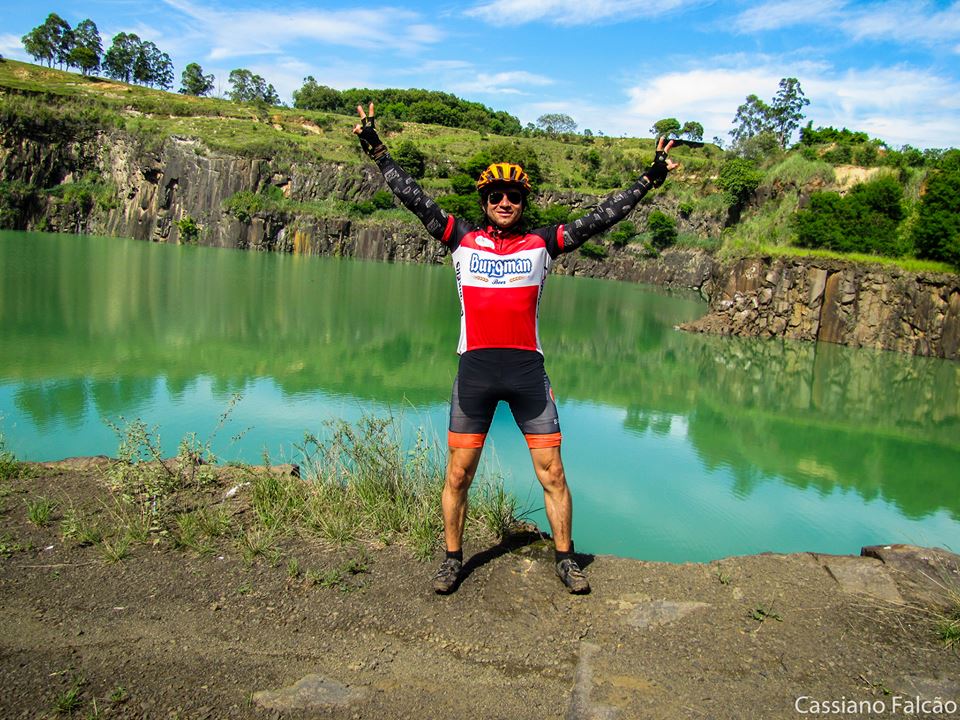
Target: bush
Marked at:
593, 250
936, 233
245, 204
411, 158
866, 220
189, 230
463, 207
662, 228
739, 177
382, 200
535, 216
363, 208
463, 184
623, 233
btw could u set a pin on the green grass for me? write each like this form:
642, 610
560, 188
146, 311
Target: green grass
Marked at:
80, 527
40, 511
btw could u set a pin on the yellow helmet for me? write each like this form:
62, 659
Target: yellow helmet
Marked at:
504, 174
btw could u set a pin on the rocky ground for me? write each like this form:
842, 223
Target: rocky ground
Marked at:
357, 632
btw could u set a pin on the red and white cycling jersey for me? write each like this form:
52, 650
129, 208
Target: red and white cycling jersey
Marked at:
500, 279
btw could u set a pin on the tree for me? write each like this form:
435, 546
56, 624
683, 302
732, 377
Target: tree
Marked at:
692, 130
194, 82
246, 86
781, 118
313, 96
50, 42
752, 118
667, 127
556, 123
786, 111
119, 58
87, 47
38, 46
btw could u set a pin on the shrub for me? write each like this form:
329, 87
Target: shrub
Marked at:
936, 233
362, 208
623, 233
593, 250
663, 230
463, 184
866, 220
411, 158
382, 199
738, 178
463, 207
189, 230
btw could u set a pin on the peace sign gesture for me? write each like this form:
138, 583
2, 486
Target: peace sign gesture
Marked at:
366, 131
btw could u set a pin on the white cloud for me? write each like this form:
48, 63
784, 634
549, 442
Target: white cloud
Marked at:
900, 21
784, 13
12, 47
905, 22
500, 83
238, 33
573, 12
900, 104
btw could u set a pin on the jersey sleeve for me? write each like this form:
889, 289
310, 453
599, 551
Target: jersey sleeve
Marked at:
611, 211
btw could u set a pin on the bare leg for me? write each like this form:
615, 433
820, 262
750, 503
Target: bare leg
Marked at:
556, 495
461, 468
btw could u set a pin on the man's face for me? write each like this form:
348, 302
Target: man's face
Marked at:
504, 206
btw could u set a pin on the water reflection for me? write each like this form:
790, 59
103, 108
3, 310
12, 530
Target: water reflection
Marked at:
96, 328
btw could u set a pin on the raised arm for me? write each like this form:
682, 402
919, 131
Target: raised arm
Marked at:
617, 206
398, 180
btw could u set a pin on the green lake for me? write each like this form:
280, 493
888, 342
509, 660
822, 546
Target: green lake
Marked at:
677, 446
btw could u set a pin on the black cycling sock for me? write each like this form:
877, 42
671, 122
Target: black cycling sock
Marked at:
455, 554
563, 555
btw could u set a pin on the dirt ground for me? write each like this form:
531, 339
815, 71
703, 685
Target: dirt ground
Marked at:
167, 633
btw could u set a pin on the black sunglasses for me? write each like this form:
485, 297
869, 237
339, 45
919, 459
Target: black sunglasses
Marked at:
514, 196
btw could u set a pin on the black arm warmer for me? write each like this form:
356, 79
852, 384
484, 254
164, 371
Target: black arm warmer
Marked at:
616, 207
413, 197
611, 211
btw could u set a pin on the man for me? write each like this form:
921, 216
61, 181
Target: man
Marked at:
501, 269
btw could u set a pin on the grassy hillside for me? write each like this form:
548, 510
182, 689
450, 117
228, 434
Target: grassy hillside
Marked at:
48, 103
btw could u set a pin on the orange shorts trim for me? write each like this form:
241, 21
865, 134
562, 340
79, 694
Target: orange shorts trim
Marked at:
466, 440
544, 441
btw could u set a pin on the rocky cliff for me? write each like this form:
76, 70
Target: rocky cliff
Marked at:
157, 187
832, 301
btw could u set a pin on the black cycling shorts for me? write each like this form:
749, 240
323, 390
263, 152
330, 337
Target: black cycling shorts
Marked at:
489, 375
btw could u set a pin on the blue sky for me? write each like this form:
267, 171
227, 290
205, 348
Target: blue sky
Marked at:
891, 68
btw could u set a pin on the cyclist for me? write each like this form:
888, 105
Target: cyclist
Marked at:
500, 270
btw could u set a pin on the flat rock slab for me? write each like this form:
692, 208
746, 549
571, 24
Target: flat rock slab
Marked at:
931, 576
863, 576
309, 692
661, 612
928, 689
582, 707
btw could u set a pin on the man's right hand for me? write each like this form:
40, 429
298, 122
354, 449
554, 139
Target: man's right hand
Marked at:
366, 131
657, 172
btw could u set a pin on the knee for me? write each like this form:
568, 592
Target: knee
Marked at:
458, 478
553, 477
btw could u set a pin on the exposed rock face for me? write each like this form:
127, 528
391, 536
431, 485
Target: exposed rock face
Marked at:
837, 302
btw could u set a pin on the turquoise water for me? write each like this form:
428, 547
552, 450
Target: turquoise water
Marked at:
678, 447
